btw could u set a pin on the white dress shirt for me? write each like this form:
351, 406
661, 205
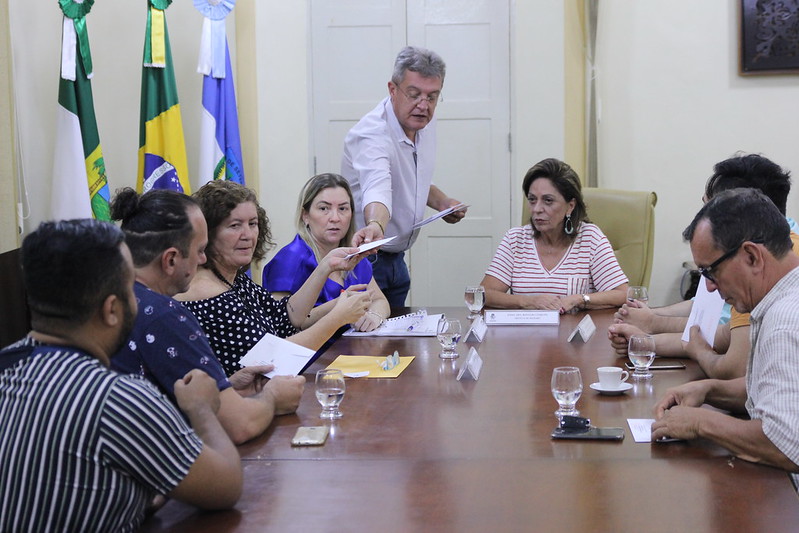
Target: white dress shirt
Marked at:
382, 165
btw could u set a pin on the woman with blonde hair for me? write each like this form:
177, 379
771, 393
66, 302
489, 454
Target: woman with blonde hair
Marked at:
324, 222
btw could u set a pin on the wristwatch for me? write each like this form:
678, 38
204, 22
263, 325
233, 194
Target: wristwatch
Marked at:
586, 301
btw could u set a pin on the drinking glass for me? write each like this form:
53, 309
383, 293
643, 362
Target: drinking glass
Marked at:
641, 351
637, 292
330, 391
448, 333
475, 297
567, 386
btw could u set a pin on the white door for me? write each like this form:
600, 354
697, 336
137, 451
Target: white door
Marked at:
353, 51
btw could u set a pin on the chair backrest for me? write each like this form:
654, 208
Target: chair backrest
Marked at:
627, 218
15, 321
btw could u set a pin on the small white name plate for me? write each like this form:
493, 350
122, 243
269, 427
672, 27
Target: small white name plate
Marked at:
477, 331
471, 367
584, 330
496, 317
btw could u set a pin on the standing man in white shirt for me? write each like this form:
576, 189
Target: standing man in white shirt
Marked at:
389, 156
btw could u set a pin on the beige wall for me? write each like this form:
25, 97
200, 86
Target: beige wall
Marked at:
9, 234
673, 104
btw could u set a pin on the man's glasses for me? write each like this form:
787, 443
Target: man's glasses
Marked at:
708, 270
415, 98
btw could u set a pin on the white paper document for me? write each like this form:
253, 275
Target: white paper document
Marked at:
288, 358
440, 214
418, 324
370, 246
641, 428
705, 313
522, 317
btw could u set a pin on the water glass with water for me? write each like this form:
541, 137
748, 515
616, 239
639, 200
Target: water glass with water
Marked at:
330, 391
641, 351
448, 333
475, 297
567, 387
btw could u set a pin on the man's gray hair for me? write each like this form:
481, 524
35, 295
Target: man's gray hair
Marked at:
425, 62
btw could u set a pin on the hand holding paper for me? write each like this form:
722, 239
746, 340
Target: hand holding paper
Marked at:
705, 313
370, 246
441, 214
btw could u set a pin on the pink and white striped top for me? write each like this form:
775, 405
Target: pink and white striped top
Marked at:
589, 264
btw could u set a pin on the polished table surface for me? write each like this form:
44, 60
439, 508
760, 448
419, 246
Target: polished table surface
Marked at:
425, 452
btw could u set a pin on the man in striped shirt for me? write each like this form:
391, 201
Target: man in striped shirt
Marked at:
742, 245
83, 448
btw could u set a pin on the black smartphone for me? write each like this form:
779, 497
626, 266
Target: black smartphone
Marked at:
593, 433
671, 365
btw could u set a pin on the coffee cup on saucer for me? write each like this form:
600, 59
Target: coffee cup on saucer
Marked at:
611, 380
611, 377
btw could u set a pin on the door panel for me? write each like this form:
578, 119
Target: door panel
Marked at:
473, 160
353, 51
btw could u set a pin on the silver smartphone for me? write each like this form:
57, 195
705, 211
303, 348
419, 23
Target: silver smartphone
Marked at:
671, 365
310, 436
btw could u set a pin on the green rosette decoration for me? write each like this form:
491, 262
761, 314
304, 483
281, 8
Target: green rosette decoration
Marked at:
160, 4
75, 9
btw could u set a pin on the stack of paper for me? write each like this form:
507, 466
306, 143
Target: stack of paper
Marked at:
418, 324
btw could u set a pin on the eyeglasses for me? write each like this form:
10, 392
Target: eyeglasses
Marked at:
415, 98
708, 270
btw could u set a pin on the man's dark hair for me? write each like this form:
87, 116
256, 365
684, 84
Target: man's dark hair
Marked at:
741, 215
153, 222
70, 267
751, 171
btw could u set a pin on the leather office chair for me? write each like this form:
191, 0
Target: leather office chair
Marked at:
627, 218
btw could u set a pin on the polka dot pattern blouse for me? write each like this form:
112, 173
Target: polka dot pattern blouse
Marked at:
239, 317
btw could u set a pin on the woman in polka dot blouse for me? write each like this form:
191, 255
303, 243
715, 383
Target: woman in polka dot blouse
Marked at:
234, 311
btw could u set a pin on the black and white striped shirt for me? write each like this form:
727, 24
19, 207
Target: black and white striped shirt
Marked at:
83, 448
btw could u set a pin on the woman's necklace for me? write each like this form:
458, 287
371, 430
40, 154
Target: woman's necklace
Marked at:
222, 278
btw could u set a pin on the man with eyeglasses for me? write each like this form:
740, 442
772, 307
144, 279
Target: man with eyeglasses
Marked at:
388, 160
742, 244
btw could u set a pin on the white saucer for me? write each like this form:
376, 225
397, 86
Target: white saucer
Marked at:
611, 392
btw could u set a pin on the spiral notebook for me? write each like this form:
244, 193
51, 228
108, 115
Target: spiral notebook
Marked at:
418, 324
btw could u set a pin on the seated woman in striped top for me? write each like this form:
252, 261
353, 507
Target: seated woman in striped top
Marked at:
560, 260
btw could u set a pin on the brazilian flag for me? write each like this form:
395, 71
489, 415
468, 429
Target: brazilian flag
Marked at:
162, 148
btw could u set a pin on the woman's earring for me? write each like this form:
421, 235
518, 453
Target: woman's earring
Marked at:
568, 226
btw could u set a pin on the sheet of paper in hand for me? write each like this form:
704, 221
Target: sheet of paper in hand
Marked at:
288, 358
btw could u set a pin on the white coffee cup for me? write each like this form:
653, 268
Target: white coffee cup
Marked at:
611, 377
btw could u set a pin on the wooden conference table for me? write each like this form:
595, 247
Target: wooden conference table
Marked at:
425, 452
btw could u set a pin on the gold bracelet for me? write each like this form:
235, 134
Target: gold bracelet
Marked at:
378, 223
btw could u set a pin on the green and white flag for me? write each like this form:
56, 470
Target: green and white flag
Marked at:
80, 188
